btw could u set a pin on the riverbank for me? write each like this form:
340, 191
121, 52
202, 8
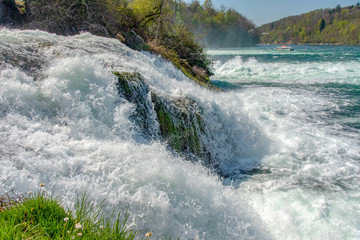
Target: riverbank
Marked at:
142, 26
41, 216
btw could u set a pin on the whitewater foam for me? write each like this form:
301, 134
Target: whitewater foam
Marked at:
281, 137
304, 106
64, 124
239, 70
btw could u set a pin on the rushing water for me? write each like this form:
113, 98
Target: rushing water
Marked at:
308, 103
285, 133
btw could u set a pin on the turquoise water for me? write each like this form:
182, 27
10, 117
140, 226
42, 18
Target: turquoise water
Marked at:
308, 103
329, 71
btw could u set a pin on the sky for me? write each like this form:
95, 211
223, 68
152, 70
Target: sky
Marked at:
265, 11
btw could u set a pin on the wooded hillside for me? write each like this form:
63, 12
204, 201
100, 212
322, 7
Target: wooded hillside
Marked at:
216, 28
335, 26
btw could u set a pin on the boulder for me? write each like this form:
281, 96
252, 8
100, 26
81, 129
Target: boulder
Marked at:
177, 121
132, 40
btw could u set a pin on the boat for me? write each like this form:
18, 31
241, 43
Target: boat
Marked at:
284, 48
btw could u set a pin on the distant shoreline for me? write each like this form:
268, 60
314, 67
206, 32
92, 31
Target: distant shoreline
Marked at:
312, 44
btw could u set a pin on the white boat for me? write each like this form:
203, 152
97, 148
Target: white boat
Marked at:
284, 48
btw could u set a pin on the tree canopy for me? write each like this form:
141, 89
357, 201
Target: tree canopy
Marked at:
217, 28
336, 26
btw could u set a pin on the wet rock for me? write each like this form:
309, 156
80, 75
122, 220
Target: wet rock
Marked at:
133, 88
182, 126
178, 121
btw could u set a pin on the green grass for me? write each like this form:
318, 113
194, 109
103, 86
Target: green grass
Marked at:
41, 216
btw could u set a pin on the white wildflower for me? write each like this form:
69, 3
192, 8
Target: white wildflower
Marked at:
78, 226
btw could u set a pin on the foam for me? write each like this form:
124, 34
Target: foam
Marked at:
65, 125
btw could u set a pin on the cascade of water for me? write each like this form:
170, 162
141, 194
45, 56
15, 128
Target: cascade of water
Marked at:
68, 121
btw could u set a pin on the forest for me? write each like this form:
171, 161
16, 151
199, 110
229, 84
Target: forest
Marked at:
216, 28
340, 25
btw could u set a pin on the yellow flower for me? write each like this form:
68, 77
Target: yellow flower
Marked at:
42, 184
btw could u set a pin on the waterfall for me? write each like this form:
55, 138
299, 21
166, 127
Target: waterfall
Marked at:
87, 113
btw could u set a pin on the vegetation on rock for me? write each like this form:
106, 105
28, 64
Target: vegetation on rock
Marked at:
335, 26
179, 120
181, 124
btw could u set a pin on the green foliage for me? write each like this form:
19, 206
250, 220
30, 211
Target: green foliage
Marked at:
339, 25
171, 38
21, 6
153, 20
322, 25
216, 28
42, 217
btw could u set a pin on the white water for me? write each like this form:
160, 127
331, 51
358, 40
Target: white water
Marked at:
294, 72
71, 130
63, 123
313, 189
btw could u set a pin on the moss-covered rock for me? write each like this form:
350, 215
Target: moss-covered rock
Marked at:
127, 83
133, 88
178, 121
182, 126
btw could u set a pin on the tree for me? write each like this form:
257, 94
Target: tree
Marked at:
322, 24
338, 8
208, 5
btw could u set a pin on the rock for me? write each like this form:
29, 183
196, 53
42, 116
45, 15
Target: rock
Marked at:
98, 30
132, 40
134, 89
182, 126
178, 121
13, 12
4, 15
